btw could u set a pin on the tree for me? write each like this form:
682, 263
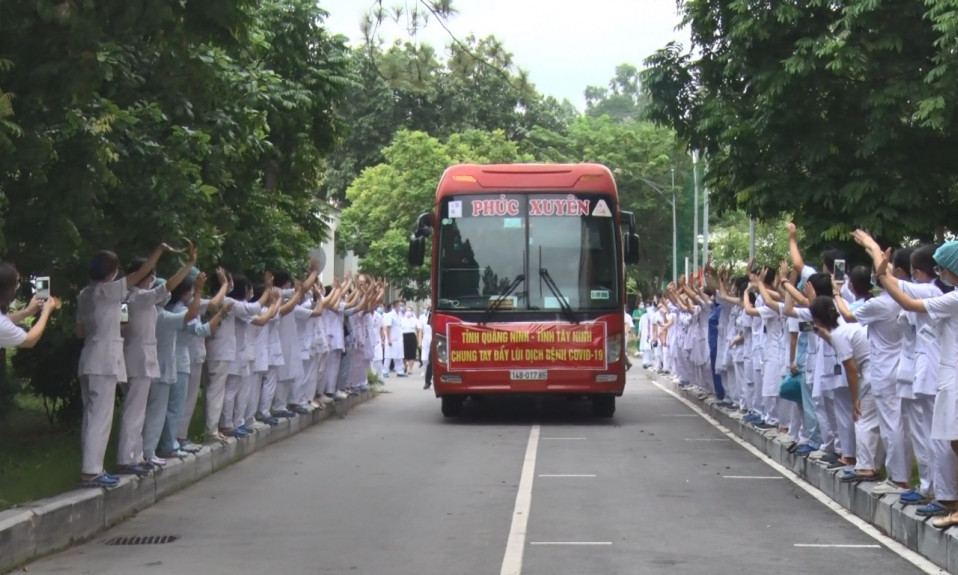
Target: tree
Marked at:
622, 101
833, 111
729, 241
639, 153
152, 120
409, 86
386, 199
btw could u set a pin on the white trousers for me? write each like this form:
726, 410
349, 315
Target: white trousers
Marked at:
302, 393
256, 392
826, 423
944, 472
156, 408
234, 384
215, 394
98, 393
244, 399
867, 435
192, 394
331, 376
897, 449
840, 403
129, 449
284, 388
270, 381
916, 415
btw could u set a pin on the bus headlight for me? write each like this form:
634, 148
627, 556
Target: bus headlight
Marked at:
613, 348
442, 350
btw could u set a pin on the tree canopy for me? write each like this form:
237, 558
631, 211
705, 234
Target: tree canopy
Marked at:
837, 112
124, 123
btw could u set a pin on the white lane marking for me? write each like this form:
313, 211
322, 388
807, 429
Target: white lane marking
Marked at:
570, 543
824, 546
563, 475
562, 438
905, 553
752, 477
512, 561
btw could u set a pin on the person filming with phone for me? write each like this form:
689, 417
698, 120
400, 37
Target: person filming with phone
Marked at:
11, 334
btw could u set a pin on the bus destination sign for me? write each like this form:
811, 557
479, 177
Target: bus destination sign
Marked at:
526, 346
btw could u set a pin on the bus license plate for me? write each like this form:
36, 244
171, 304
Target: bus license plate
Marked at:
528, 374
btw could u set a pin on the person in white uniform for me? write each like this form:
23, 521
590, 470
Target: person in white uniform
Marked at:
392, 325
944, 428
139, 354
12, 335
102, 366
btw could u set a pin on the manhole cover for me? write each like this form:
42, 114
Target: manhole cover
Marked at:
141, 540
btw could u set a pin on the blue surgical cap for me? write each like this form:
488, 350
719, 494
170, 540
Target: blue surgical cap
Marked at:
946, 256
194, 273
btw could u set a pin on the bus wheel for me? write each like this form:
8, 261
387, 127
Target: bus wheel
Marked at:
603, 405
452, 405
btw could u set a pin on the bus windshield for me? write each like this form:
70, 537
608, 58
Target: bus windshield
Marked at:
486, 242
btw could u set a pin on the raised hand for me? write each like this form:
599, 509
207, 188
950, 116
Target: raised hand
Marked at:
51, 303
199, 282
792, 230
885, 267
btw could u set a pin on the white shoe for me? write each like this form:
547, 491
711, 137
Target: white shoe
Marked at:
158, 461
887, 488
340, 395
314, 405
326, 400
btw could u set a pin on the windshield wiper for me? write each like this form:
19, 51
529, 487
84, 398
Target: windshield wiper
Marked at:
495, 305
563, 304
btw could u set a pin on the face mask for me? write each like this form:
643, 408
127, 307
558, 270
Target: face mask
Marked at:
946, 282
379, 309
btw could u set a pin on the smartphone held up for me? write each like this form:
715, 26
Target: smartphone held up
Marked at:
839, 270
41, 287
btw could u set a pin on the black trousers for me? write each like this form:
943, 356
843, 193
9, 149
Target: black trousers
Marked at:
429, 374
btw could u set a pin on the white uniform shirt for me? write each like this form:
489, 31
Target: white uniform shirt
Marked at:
11, 335
139, 335
880, 316
98, 312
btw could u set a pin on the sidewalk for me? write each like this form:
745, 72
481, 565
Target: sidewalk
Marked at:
51, 524
885, 513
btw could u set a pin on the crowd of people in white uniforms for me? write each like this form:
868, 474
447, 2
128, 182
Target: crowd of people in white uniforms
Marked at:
281, 348
854, 368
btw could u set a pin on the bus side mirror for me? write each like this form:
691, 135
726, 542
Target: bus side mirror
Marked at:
417, 242
417, 251
631, 248
424, 225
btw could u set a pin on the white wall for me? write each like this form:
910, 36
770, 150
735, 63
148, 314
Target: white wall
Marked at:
335, 265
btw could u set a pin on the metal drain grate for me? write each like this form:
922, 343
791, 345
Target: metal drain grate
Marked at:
138, 540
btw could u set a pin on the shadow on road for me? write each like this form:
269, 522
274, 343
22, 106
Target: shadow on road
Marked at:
527, 410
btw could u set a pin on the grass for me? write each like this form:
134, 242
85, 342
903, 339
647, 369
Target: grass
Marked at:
38, 460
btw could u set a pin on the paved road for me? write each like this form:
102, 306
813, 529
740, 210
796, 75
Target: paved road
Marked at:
395, 490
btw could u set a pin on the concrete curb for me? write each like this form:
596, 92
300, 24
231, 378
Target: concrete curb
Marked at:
49, 525
884, 513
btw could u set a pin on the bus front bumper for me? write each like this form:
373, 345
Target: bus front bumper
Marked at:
558, 382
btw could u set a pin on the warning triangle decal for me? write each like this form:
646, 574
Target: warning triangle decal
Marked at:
601, 210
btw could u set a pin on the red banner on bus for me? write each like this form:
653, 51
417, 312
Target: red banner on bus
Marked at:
525, 346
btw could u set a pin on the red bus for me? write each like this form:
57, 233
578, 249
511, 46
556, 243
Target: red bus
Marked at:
528, 282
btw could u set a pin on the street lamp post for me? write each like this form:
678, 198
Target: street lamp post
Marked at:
675, 241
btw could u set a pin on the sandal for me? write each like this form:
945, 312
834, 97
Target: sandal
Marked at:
945, 522
103, 481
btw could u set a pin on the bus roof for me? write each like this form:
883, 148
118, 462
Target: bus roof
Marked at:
482, 178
